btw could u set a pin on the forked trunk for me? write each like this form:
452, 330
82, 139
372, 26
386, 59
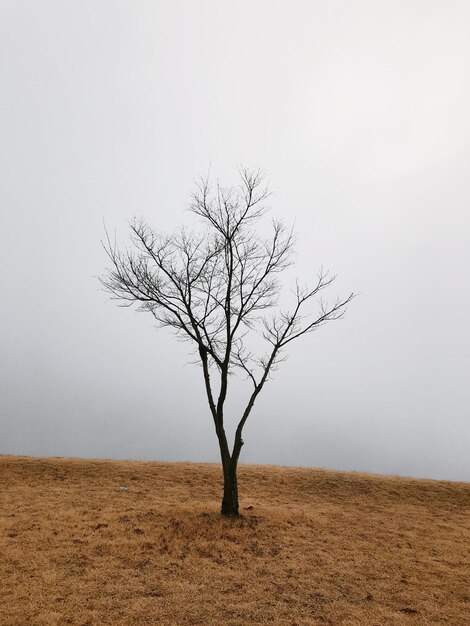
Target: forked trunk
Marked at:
230, 499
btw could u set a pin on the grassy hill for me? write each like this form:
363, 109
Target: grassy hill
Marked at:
107, 543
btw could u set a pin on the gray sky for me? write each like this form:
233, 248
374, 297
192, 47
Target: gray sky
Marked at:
358, 112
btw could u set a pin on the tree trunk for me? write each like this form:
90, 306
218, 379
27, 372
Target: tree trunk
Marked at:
230, 499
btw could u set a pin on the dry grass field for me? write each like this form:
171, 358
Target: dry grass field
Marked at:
95, 543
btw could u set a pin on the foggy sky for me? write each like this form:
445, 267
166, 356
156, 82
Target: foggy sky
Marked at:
359, 114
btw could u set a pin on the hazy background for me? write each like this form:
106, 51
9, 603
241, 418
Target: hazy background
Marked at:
359, 113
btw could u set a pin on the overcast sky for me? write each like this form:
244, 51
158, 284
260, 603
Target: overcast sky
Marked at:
358, 112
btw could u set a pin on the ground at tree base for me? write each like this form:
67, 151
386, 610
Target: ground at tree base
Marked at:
95, 543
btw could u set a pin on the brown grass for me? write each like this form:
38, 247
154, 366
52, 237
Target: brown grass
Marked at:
102, 542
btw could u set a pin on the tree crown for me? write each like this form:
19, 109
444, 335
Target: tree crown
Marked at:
216, 287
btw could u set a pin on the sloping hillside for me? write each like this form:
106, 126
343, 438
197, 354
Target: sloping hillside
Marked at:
107, 543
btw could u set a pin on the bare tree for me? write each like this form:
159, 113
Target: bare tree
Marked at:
215, 289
